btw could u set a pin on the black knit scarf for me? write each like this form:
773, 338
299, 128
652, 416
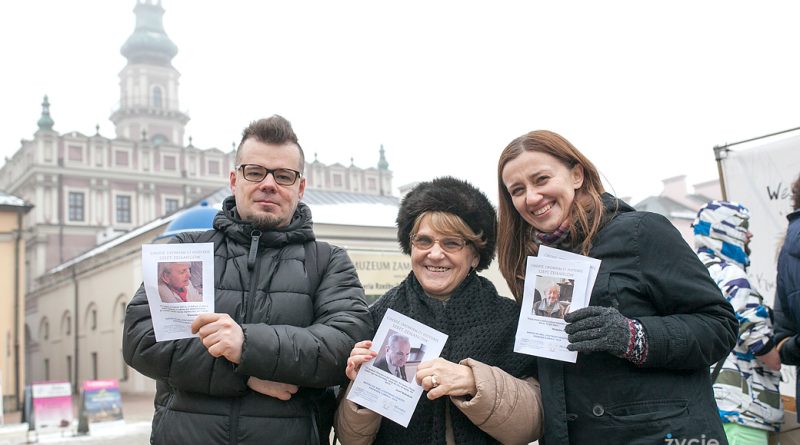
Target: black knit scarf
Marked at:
481, 325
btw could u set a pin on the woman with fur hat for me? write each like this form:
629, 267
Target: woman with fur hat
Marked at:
655, 320
477, 386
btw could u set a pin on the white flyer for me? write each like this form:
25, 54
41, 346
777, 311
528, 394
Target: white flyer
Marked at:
552, 289
179, 283
387, 384
558, 254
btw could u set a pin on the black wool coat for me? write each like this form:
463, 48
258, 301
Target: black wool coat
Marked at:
649, 273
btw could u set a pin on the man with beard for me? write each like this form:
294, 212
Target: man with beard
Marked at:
288, 309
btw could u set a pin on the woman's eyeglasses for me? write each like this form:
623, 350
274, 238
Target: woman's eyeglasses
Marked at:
257, 173
449, 244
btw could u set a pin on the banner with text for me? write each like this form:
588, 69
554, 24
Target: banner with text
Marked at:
760, 178
380, 271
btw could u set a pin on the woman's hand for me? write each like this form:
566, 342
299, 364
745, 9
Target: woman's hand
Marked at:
282, 391
443, 378
358, 356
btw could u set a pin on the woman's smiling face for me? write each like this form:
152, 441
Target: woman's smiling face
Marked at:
542, 188
439, 271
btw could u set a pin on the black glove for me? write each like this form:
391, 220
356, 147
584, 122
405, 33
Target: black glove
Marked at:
599, 329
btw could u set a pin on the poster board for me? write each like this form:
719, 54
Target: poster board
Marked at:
101, 405
102, 400
52, 405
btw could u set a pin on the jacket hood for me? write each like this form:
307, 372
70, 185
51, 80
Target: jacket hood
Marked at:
299, 230
721, 227
612, 204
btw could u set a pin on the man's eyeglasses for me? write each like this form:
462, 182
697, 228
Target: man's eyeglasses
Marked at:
449, 244
257, 173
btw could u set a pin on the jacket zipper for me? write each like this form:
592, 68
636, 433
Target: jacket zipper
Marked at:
252, 266
253, 261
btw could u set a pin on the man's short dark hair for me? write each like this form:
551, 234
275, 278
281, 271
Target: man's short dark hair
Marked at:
272, 130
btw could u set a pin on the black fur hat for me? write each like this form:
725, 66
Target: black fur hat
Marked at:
450, 195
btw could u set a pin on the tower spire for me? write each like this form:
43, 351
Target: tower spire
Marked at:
149, 42
45, 121
149, 83
383, 164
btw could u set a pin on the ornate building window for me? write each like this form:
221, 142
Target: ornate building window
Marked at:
123, 208
94, 366
168, 163
67, 321
76, 203
44, 330
121, 158
75, 153
170, 205
213, 167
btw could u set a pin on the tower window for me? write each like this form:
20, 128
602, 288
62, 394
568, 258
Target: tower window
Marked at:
158, 100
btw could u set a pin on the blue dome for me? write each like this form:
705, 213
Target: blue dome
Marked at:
195, 219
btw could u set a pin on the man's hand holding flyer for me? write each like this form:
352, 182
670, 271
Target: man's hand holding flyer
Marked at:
179, 283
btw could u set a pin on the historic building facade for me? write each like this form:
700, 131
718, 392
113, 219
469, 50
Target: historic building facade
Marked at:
98, 198
91, 188
677, 204
12, 299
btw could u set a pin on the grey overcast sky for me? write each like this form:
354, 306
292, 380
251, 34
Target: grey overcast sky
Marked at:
644, 89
